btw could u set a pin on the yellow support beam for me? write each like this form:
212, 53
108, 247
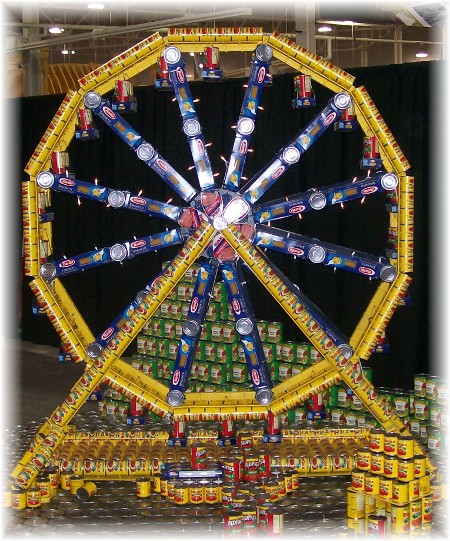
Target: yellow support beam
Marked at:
405, 237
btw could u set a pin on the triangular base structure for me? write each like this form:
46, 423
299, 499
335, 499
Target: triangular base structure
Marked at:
108, 366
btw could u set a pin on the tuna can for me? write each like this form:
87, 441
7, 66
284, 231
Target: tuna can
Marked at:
427, 509
420, 384
355, 504
390, 443
377, 463
275, 520
196, 493
415, 514
198, 456
86, 491
143, 487
391, 466
211, 491
371, 484
376, 526
385, 488
33, 497
400, 492
405, 447
358, 480
414, 488
18, 498
232, 522
400, 519
363, 459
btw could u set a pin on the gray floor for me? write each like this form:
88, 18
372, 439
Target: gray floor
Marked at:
35, 382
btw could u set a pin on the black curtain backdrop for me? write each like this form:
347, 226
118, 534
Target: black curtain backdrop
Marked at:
402, 93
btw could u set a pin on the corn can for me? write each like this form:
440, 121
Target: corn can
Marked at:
355, 504
400, 519
143, 487
400, 492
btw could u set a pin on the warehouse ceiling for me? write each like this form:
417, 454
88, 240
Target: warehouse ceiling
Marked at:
361, 33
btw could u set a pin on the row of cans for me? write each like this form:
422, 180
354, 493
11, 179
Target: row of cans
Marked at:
431, 387
373, 517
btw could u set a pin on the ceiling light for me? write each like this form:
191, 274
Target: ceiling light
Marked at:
95, 5
56, 30
421, 54
64, 51
324, 28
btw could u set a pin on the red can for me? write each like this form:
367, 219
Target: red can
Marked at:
275, 520
251, 467
370, 147
264, 463
178, 429
302, 86
273, 423
212, 57
232, 521
227, 428
231, 469
376, 526
60, 162
198, 456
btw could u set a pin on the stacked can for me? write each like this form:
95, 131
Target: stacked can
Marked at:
390, 481
429, 414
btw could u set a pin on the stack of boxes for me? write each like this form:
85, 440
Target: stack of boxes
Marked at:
391, 489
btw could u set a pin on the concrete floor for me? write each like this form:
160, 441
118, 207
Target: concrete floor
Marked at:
35, 382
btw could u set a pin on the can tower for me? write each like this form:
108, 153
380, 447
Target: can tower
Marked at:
225, 227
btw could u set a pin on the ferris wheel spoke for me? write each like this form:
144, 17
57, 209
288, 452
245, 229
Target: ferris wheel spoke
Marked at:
114, 198
246, 327
116, 253
318, 199
191, 330
144, 150
246, 123
292, 152
191, 125
325, 253
311, 318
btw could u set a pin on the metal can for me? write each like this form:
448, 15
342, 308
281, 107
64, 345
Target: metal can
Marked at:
369, 504
376, 526
43, 483
271, 487
196, 493
400, 492
405, 447
211, 491
385, 488
421, 408
274, 332
424, 485
363, 457
181, 493
414, 489
435, 414
400, 401
355, 504
390, 443
371, 484
427, 509
198, 456
86, 491
251, 466
232, 522
143, 487
18, 498
431, 387
249, 516
33, 496
358, 480
264, 458
377, 463
434, 439
420, 384
275, 520
400, 519
64, 479
406, 469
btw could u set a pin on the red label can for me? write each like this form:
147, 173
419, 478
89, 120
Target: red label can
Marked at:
232, 521
198, 456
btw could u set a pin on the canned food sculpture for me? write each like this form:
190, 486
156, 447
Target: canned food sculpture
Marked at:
225, 225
